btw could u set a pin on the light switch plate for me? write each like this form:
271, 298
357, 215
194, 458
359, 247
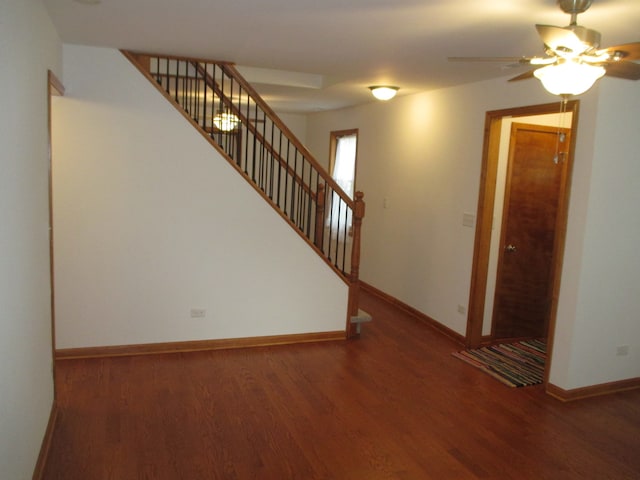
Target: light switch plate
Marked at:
468, 219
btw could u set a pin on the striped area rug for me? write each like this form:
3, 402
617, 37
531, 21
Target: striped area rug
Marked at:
516, 364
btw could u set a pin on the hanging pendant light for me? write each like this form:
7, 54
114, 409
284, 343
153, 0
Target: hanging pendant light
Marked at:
226, 121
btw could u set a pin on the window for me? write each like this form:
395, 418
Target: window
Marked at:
342, 167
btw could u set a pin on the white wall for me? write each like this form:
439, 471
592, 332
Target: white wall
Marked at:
29, 45
297, 123
151, 222
602, 308
423, 153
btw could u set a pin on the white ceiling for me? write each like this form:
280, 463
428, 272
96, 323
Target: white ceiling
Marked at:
312, 55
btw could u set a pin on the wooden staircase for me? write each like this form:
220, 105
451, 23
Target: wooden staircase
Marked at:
229, 113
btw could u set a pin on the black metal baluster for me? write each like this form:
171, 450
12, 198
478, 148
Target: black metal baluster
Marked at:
230, 134
255, 141
286, 179
246, 140
190, 98
264, 153
158, 75
309, 201
271, 165
302, 196
340, 227
293, 183
345, 234
196, 95
237, 126
225, 108
167, 87
332, 200
185, 87
300, 220
215, 95
221, 109
193, 94
203, 121
324, 204
175, 81
279, 170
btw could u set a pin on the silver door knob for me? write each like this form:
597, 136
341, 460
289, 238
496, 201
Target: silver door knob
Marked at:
510, 248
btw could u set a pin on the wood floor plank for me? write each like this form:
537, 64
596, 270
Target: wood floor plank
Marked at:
392, 405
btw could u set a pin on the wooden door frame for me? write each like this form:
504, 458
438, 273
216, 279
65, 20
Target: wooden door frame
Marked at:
488, 177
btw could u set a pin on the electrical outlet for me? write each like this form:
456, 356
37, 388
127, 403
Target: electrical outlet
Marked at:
462, 309
198, 313
622, 350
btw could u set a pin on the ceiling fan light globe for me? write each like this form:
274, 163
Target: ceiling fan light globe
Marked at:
569, 78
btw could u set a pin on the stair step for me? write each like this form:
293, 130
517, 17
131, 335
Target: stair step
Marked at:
360, 318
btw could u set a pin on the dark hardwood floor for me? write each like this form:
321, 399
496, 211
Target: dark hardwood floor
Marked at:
392, 405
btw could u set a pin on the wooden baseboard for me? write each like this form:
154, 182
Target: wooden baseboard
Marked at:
38, 471
413, 312
196, 345
592, 390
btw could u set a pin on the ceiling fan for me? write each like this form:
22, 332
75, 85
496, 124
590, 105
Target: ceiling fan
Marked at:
574, 60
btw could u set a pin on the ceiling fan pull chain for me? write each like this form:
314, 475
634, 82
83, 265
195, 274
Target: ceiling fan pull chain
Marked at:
560, 135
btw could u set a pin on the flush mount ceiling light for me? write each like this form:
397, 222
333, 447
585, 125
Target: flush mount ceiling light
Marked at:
570, 77
384, 92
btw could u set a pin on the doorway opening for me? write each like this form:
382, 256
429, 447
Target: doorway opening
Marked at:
504, 242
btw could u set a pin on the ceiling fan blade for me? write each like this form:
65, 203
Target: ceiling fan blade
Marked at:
561, 39
523, 60
523, 76
622, 69
628, 51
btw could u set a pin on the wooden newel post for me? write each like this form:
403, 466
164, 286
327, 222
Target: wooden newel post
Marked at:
354, 285
320, 202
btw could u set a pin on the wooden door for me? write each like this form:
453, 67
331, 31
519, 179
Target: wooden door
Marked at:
536, 177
